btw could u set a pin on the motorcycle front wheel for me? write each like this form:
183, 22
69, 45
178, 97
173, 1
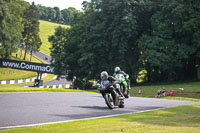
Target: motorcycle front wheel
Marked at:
127, 95
121, 104
109, 101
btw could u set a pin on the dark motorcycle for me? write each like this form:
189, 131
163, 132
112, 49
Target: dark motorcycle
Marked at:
111, 94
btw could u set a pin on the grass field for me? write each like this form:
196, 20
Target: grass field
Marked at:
47, 29
191, 90
183, 119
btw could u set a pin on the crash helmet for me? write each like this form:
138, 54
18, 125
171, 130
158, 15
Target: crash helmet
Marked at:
104, 75
117, 69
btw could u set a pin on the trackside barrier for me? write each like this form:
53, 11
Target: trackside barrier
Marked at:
2, 82
56, 86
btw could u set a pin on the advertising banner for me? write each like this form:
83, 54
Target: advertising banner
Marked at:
28, 66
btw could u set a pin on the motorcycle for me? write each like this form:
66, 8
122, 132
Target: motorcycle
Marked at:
111, 95
123, 85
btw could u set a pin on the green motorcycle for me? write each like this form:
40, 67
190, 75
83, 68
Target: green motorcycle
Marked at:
123, 85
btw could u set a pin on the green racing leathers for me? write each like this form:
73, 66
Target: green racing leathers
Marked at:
124, 82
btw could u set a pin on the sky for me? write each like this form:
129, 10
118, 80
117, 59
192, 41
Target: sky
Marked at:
62, 4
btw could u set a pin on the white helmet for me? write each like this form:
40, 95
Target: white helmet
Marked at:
104, 75
117, 69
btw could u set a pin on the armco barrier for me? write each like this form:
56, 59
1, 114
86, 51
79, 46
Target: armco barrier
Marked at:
2, 82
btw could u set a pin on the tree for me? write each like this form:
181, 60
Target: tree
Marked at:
171, 52
31, 30
66, 17
10, 27
58, 41
43, 12
58, 17
160, 36
100, 39
51, 14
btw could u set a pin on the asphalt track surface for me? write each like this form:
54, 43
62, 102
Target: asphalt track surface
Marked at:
26, 109
43, 56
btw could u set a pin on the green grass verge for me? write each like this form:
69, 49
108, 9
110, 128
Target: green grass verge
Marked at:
183, 119
47, 29
6, 88
191, 90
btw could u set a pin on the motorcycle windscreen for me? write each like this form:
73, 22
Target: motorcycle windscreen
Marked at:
104, 84
119, 76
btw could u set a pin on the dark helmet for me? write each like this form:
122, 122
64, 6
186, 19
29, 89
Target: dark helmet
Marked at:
117, 69
104, 75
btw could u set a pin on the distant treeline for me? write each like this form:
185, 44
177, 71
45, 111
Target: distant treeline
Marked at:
65, 16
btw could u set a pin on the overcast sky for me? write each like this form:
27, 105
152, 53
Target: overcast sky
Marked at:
62, 4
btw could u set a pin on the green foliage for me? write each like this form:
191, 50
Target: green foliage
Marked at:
160, 37
10, 27
171, 50
58, 47
31, 29
65, 16
99, 40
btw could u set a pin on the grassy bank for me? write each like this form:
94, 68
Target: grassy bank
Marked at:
184, 119
6, 88
47, 29
191, 90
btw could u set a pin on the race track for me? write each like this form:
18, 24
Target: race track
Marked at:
22, 109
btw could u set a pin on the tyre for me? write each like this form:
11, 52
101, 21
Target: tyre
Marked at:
121, 104
127, 95
109, 101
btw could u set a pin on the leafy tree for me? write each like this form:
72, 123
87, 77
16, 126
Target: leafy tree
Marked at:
160, 36
75, 15
31, 30
66, 17
100, 39
57, 51
171, 52
10, 27
51, 14
43, 12
58, 17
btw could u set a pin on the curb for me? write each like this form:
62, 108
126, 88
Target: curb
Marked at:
56, 86
3, 82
